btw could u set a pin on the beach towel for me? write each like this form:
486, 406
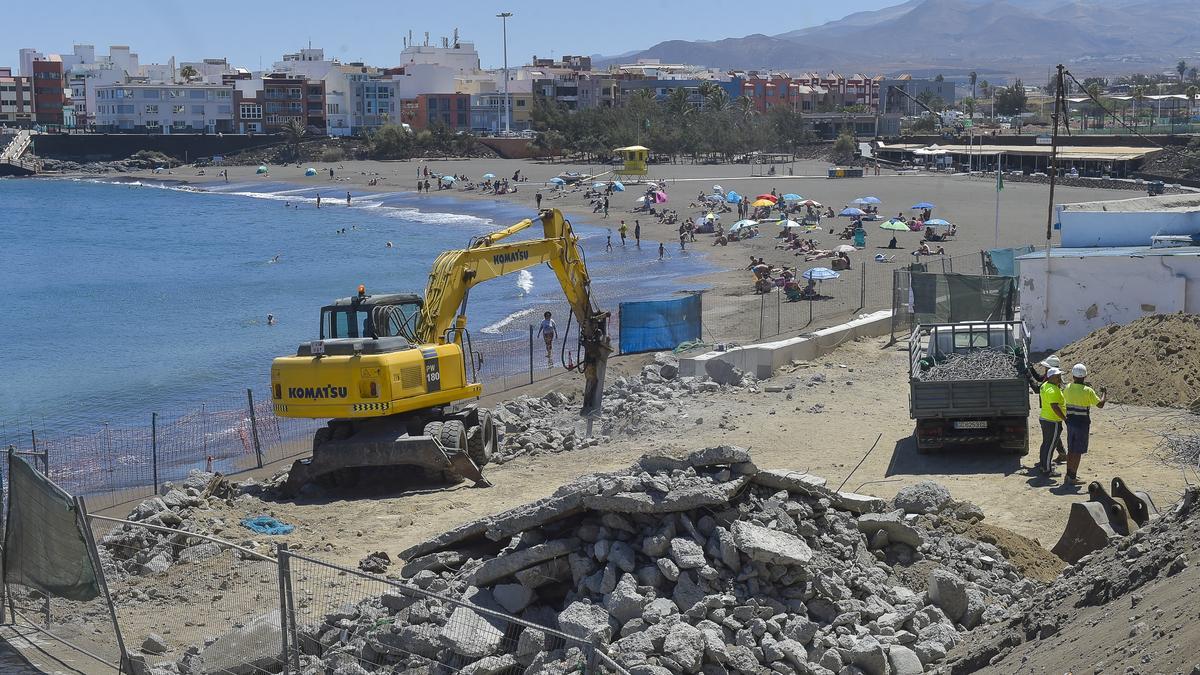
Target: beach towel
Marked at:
267, 525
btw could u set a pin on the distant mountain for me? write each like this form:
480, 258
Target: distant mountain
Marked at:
1018, 37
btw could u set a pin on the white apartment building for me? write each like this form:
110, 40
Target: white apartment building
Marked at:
460, 57
312, 64
165, 108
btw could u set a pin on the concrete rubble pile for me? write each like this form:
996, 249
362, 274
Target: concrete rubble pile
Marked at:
1154, 554
128, 550
655, 399
694, 564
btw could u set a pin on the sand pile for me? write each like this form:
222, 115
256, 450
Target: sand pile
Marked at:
1152, 361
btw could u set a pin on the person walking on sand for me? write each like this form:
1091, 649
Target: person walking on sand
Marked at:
608, 246
622, 230
637, 233
1051, 419
331, 172
662, 250
1079, 399
606, 207
537, 198
548, 330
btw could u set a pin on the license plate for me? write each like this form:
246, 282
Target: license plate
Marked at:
316, 347
971, 424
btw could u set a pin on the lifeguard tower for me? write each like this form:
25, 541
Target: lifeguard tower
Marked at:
635, 158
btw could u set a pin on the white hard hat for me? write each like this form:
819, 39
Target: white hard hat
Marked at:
1051, 362
1078, 370
1053, 372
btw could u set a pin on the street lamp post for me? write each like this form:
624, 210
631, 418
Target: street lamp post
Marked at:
503, 16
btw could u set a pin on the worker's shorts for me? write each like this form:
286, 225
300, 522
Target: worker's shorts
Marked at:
1078, 430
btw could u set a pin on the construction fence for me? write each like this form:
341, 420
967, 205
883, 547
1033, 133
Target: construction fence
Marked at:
138, 593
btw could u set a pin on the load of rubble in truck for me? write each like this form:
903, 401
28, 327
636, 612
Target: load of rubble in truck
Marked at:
395, 374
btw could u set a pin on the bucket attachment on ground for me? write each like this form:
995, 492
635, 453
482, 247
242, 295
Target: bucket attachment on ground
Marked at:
1091, 525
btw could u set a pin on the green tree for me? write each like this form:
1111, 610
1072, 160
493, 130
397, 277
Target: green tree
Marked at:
927, 124
968, 106
391, 141
939, 78
985, 89
188, 73
744, 107
294, 133
1181, 68
717, 100
844, 148
1011, 100
1139, 97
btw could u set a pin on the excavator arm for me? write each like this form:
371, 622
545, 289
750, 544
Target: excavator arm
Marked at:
443, 317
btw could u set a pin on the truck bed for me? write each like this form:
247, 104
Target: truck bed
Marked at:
968, 399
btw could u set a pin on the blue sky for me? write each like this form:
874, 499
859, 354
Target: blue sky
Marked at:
372, 31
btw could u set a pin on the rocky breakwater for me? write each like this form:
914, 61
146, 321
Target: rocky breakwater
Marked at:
701, 563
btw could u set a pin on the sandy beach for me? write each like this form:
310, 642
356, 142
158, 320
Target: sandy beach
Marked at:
969, 202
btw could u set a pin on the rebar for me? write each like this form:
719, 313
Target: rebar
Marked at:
1182, 450
984, 364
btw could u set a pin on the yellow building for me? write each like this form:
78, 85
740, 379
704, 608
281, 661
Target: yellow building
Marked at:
635, 158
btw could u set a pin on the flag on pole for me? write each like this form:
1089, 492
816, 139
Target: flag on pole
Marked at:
999, 179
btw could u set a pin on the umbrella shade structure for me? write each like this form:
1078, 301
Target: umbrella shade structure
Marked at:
712, 216
844, 248
310, 171
792, 197
262, 168
812, 203
771, 198
792, 225
937, 222
760, 203
742, 224
558, 181
852, 211
868, 200
733, 197
489, 176
820, 274
894, 225
618, 186
447, 179
595, 186
660, 197
718, 188
923, 205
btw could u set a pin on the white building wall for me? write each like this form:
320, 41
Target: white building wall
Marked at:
461, 59
28, 55
424, 78
1084, 294
1084, 229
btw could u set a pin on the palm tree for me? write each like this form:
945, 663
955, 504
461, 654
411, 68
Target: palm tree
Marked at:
1193, 74
188, 73
972, 78
294, 132
968, 105
745, 107
985, 88
1181, 68
678, 105
717, 101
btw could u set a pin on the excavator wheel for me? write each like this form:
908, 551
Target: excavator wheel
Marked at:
481, 439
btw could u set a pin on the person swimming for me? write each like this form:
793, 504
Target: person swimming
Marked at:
389, 244
270, 319
276, 258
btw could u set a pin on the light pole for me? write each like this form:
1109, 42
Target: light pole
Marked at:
503, 16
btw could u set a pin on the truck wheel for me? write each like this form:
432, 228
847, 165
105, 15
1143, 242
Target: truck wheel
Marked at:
481, 439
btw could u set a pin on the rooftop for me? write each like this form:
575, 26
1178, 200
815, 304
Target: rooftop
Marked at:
1178, 203
1114, 252
1100, 153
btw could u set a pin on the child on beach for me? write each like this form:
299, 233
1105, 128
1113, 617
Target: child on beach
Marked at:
662, 250
608, 247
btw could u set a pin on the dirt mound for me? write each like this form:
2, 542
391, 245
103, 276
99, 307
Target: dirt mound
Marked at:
1153, 361
1129, 608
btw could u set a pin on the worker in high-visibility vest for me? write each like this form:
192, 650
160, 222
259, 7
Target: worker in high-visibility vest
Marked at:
1079, 399
1051, 420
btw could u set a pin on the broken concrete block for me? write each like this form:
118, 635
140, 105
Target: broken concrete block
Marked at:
475, 634
497, 568
856, 503
770, 546
892, 523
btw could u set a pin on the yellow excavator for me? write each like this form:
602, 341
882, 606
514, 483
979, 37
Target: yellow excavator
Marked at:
395, 373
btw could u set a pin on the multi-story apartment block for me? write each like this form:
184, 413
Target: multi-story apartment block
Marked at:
16, 99
287, 98
165, 108
426, 110
49, 91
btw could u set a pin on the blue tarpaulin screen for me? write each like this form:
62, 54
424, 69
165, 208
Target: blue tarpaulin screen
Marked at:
656, 325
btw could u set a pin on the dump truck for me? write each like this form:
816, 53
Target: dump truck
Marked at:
395, 373
969, 410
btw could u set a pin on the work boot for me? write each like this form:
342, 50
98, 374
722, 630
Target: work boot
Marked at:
1049, 474
1060, 458
1073, 479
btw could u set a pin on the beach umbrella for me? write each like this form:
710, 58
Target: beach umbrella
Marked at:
262, 168
809, 202
791, 224
660, 197
733, 197
851, 211
447, 179
937, 222
618, 186
599, 186
712, 216
489, 176
760, 203
310, 171
844, 248
792, 197
717, 188
713, 199
558, 181
820, 274
894, 225
923, 205
769, 197
867, 200
742, 224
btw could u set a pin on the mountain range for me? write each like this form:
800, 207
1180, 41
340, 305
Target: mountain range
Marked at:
1022, 38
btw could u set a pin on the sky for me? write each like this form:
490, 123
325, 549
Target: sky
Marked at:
250, 33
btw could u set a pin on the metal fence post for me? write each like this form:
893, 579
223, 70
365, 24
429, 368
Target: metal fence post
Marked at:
85, 528
284, 616
154, 448
862, 291
254, 427
778, 312
762, 307
530, 353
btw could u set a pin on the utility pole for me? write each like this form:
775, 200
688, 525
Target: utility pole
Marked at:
503, 16
1052, 169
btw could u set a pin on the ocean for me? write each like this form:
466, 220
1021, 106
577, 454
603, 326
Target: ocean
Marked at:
123, 299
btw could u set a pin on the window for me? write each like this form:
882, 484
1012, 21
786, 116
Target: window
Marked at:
151, 124
152, 109
152, 94
251, 111
197, 124
179, 124
224, 109
197, 110
332, 108
196, 94
126, 109
224, 93
176, 93
293, 92
177, 109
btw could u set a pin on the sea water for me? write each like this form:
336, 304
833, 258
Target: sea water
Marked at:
123, 299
